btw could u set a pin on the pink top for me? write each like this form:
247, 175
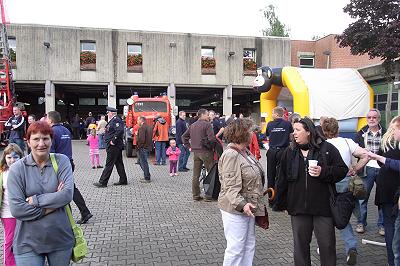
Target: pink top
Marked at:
93, 142
173, 155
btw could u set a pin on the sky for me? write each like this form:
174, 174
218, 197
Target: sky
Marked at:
306, 18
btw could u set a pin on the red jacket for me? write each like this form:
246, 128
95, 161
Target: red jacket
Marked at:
254, 148
160, 132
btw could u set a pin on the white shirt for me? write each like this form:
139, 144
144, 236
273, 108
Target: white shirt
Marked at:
343, 145
5, 206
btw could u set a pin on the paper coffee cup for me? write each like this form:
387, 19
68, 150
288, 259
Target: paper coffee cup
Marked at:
312, 162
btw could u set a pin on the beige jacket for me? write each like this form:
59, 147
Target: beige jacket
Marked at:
241, 182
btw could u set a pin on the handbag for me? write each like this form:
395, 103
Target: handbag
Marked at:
356, 184
342, 206
260, 221
80, 249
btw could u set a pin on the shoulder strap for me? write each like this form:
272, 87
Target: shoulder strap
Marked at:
67, 207
351, 154
248, 160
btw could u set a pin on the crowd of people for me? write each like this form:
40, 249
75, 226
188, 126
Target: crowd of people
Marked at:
304, 163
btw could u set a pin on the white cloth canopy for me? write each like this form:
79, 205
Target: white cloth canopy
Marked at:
341, 93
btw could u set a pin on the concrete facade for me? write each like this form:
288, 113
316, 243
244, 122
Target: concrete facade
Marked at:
168, 58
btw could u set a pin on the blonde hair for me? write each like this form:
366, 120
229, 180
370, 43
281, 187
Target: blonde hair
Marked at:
388, 141
12, 147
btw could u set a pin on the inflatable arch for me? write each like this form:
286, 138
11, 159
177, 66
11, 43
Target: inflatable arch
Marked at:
340, 93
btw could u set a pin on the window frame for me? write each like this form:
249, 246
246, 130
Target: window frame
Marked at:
307, 58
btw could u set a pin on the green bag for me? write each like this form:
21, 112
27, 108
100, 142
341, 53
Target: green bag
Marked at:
80, 249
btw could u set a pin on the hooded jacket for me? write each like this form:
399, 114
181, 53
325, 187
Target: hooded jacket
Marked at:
297, 191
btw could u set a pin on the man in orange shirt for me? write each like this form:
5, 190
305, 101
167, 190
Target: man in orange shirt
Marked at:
160, 136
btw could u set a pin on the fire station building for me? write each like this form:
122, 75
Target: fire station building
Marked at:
77, 70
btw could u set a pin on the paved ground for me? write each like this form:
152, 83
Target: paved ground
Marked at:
159, 224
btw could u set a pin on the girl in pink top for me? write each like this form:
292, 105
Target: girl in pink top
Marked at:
94, 152
173, 156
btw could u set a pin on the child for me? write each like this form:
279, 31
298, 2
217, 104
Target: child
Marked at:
173, 155
94, 153
11, 154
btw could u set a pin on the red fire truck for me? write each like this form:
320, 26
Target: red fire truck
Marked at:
150, 108
7, 91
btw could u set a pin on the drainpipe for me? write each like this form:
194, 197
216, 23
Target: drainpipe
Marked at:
328, 60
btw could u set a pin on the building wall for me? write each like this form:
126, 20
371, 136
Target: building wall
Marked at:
339, 57
162, 62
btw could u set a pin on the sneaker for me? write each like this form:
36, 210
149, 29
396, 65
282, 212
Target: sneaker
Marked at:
171, 174
351, 257
360, 228
318, 251
175, 174
144, 180
99, 166
381, 231
93, 167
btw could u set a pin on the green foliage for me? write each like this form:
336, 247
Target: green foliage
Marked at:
207, 62
88, 58
275, 26
249, 64
13, 55
135, 60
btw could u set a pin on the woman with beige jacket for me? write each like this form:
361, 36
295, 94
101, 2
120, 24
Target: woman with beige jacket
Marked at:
242, 181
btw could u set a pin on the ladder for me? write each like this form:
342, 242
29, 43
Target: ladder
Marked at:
7, 90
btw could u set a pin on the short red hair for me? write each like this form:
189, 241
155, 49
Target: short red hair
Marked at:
39, 127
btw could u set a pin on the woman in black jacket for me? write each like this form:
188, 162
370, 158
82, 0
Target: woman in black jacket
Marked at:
387, 183
303, 191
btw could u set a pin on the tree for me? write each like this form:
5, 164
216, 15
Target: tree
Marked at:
275, 26
375, 32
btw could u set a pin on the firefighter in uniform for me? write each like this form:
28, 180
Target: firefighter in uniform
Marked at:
113, 138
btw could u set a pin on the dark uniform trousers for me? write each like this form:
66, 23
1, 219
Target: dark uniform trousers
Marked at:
114, 157
273, 161
78, 199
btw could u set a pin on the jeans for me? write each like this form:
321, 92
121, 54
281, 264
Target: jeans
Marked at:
102, 144
396, 240
183, 157
369, 184
390, 218
240, 238
144, 164
160, 152
347, 234
19, 142
55, 258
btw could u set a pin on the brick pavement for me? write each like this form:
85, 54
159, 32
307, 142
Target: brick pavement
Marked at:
159, 224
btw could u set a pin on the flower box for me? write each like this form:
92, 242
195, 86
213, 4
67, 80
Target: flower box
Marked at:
208, 65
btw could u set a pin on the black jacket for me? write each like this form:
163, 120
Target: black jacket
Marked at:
115, 132
387, 181
360, 135
301, 193
145, 137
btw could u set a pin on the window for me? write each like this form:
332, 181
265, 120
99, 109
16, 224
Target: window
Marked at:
12, 46
249, 62
306, 62
207, 61
102, 101
150, 107
134, 58
380, 101
88, 55
122, 102
87, 101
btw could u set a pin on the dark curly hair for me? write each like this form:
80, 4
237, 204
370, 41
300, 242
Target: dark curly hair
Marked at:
239, 131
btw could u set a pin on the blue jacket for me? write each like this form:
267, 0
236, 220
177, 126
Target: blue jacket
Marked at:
61, 141
181, 127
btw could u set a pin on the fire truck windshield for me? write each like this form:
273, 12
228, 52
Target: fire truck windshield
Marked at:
150, 107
